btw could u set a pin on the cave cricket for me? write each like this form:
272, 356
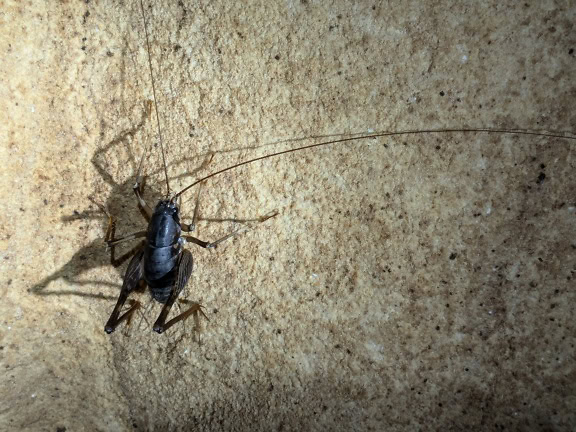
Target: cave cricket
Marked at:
162, 262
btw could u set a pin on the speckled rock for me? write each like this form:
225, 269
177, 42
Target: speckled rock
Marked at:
412, 283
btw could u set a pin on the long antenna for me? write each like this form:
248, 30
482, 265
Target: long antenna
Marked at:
376, 135
155, 102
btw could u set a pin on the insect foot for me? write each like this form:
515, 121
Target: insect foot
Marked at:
160, 326
127, 316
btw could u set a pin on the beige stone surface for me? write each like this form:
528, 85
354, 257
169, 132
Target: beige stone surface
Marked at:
414, 283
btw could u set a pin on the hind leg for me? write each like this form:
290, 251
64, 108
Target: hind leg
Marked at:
132, 278
184, 272
193, 310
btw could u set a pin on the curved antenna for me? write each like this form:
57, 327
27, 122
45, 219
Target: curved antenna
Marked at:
377, 135
155, 102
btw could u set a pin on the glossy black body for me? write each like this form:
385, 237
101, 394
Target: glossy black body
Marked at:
162, 250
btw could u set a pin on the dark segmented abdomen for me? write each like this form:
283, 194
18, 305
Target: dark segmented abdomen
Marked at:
158, 263
160, 271
161, 294
162, 250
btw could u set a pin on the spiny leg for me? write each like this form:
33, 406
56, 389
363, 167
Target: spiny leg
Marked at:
138, 185
195, 215
112, 242
244, 221
134, 304
132, 278
192, 310
214, 244
185, 265
191, 227
129, 314
145, 313
196, 208
143, 204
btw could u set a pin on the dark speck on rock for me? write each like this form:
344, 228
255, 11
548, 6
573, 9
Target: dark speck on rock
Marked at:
541, 178
452, 256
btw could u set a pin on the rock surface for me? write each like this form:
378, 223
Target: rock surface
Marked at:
418, 282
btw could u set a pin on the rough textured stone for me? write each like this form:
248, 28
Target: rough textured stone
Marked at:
419, 282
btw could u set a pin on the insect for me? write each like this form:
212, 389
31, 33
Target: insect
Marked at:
165, 265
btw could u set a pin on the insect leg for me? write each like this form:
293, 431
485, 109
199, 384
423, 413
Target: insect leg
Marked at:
191, 227
184, 272
209, 245
192, 310
196, 208
143, 204
133, 275
127, 316
112, 242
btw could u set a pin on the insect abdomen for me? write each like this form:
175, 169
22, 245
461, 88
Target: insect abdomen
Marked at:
162, 251
160, 270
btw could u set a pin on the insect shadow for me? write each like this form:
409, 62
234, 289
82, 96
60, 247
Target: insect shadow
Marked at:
122, 205
94, 254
